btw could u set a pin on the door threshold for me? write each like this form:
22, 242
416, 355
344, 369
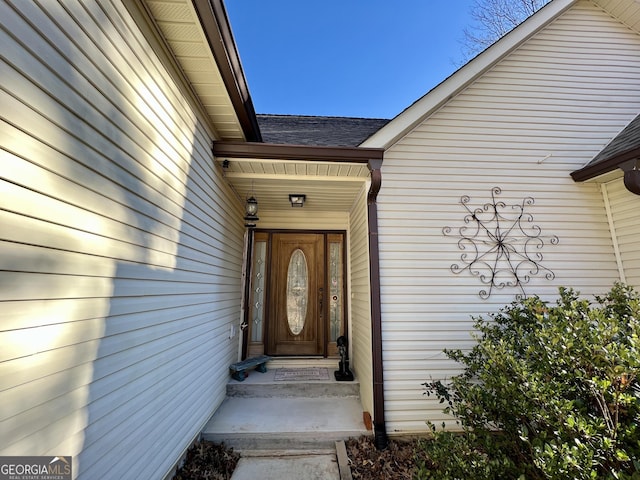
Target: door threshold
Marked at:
297, 357
300, 362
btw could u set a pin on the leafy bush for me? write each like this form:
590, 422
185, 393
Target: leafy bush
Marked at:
548, 392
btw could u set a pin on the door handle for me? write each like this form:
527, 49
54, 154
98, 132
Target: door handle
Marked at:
320, 299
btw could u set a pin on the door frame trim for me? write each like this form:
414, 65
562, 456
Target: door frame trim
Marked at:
248, 274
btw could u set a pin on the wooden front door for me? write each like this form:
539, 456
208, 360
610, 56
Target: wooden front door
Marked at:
296, 323
296, 302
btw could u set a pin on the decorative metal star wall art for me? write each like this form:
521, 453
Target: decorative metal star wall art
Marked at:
502, 246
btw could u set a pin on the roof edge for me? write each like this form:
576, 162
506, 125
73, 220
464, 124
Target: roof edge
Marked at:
296, 152
348, 117
590, 172
464, 76
215, 23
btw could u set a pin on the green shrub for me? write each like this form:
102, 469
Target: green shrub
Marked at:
547, 392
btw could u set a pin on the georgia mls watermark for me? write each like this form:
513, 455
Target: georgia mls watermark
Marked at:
35, 468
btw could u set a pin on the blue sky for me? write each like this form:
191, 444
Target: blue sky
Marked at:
359, 58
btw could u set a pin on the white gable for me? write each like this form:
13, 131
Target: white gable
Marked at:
626, 11
522, 124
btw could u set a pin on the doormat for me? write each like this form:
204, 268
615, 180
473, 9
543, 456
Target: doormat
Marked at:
301, 374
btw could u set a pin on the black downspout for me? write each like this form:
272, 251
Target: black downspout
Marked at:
380, 432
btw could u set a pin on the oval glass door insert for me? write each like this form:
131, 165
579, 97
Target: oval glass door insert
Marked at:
297, 291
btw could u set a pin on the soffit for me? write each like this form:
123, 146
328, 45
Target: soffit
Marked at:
331, 178
178, 23
626, 11
328, 186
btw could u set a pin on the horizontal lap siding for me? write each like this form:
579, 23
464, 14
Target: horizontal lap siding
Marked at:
360, 300
299, 219
536, 116
121, 246
625, 212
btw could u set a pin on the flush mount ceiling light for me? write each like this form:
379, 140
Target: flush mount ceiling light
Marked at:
297, 199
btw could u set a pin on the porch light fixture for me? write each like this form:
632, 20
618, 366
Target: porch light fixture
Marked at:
251, 211
297, 199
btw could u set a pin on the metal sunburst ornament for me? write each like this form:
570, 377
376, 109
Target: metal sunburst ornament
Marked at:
502, 246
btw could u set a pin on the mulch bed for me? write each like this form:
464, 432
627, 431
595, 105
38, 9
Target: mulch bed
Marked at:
208, 461
212, 461
396, 462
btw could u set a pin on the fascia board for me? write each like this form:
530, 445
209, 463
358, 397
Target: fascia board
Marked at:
449, 88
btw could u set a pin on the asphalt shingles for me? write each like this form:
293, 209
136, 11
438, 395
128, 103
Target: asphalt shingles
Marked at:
318, 131
628, 139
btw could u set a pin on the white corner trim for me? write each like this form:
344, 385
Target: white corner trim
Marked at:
450, 87
612, 230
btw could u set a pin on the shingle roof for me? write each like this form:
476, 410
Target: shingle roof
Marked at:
624, 147
317, 131
627, 139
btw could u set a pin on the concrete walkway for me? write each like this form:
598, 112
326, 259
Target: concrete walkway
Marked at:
288, 466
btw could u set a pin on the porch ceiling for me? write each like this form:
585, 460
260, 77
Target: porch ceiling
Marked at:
327, 186
330, 177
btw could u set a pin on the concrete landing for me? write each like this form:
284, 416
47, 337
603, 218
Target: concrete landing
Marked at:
287, 423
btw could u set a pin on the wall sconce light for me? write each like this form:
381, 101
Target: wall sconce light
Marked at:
251, 210
297, 199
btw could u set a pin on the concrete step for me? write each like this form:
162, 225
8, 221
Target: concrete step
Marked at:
297, 465
265, 385
285, 423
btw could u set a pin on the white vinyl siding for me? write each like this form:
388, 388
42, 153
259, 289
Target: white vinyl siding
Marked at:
524, 125
301, 219
625, 208
360, 337
121, 246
